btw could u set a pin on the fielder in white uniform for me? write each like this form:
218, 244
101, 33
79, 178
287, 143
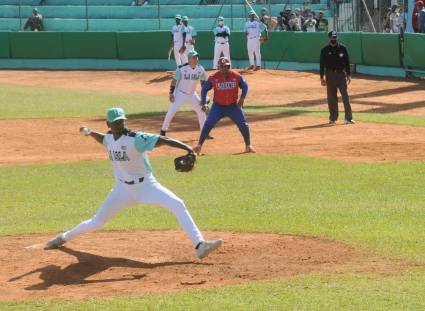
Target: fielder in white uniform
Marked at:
190, 36
253, 30
182, 90
221, 33
134, 182
178, 38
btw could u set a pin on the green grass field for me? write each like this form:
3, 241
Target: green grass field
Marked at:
378, 208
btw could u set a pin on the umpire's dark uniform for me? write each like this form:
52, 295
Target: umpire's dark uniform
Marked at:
335, 65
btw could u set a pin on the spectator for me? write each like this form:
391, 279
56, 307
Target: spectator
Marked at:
310, 23
305, 10
387, 23
283, 19
294, 23
396, 19
415, 17
139, 3
35, 21
422, 18
322, 23
270, 22
300, 18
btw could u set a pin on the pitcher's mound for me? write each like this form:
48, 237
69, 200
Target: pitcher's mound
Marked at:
136, 262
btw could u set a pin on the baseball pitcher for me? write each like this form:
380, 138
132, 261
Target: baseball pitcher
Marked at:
134, 182
221, 33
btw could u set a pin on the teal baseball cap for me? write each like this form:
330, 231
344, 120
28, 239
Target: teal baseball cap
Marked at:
115, 114
178, 16
185, 19
192, 53
252, 12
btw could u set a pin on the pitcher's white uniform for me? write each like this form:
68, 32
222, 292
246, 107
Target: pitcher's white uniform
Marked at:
178, 31
187, 80
254, 30
135, 184
221, 43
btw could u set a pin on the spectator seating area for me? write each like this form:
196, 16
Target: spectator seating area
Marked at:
119, 15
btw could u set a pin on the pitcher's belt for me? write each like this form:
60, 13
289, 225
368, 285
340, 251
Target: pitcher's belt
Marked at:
132, 182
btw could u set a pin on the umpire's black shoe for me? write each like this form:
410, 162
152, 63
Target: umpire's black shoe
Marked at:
163, 133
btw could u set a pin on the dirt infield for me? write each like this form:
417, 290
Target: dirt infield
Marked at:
121, 263
270, 87
58, 140
271, 133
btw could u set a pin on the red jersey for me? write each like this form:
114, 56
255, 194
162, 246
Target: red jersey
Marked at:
226, 90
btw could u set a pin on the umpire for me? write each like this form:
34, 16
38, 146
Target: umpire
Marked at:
335, 74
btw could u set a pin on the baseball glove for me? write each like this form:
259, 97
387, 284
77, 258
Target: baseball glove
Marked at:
185, 163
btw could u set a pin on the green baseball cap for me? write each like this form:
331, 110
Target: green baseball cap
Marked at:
192, 53
178, 16
252, 12
115, 114
221, 18
185, 19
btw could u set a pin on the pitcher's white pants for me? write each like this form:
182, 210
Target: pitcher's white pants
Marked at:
149, 191
253, 46
179, 99
180, 58
218, 49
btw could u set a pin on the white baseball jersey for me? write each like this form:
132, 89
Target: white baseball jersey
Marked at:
178, 31
190, 33
254, 29
188, 78
221, 29
129, 154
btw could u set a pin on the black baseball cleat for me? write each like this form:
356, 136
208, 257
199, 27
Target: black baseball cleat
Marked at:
350, 122
163, 133
331, 122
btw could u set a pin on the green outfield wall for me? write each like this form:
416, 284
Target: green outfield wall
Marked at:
365, 48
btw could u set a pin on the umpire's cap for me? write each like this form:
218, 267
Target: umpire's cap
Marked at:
332, 34
115, 114
223, 61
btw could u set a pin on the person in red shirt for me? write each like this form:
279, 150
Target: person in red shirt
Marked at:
226, 84
416, 15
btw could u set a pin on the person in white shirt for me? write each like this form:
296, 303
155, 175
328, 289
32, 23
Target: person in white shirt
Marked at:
134, 182
183, 90
178, 38
190, 35
310, 23
253, 30
221, 33
396, 19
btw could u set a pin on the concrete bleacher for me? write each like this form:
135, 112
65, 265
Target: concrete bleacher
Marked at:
119, 15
